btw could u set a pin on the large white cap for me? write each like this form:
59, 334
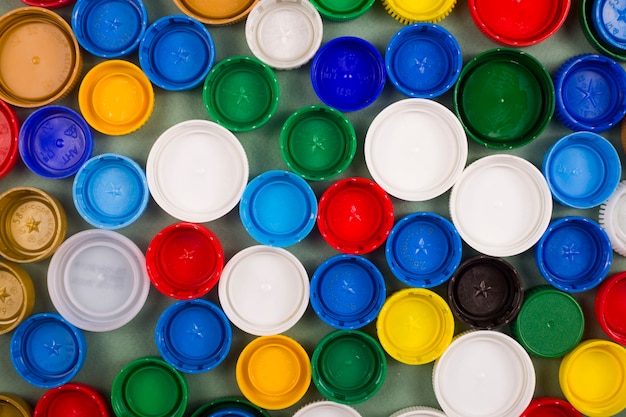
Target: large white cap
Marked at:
326, 409
612, 218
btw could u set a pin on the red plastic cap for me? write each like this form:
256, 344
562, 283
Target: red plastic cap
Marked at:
49, 4
9, 133
610, 307
73, 399
550, 407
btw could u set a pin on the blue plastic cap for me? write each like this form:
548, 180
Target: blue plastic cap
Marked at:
278, 208
590, 93
423, 249
347, 291
574, 254
110, 191
193, 336
582, 169
423, 60
177, 52
109, 28
231, 412
348, 73
55, 141
47, 351
608, 18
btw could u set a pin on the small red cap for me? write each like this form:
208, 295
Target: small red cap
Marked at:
550, 407
73, 399
610, 307
9, 133
49, 4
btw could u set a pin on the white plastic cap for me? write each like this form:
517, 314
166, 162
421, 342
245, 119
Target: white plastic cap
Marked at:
418, 411
326, 409
612, 218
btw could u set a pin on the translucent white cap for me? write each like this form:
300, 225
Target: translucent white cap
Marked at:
612, 218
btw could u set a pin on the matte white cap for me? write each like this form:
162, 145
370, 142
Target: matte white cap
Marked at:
326, 409
612, 218
418, 411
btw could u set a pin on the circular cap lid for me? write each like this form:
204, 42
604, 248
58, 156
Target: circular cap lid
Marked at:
574, 254
97, 280
415, 326
264, 290
408, 11
493, 191
519, 23
607, 19
45, 57
550, 322
274, 372
485, 292
116, 97
423, 60
610, 307
589, 27
72, 399
317, 142
423, 249
415, 167
229, 406
55, 142
342, 10
177, 52
550, 407
517, 106
50, 4
109, 28
32, 224
149, 387
418, 411
17, 296
9, 134
14, 406
241, 93
216, 12
193, 336
326, 409
347, 291
501, 366
197, 171
355, 215
184, 260
278, 208
592, 377
612, 220
284, 34
47, 351
348, 73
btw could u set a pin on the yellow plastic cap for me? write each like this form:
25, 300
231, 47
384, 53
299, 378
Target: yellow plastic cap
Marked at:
12, 405
17, 296
216, 12
411, 11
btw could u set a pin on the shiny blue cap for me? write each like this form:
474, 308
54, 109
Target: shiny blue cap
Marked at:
423, 60
348, 73
193, 336
278, 208
110, 191
347, 291
55, 141
574, 254
608, 18
232, 412
47, 351
230, 406
177, 52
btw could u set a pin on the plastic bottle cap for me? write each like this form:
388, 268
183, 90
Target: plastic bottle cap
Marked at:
423, 60
193, 336
97, 280
610, 307
418, 411
342, 10
415, 167
612, 220
519, 23
217, 12
278, 208
423, 249
149, 386
9, 134
184, 260
17, 295
592, 378
501, 205
47, 351
50, 4
116, 97
32, 224
177, 52
273, 372
197, 171
408, 11
109, 28
484, 373
355, 215
317, 142
13, 405
326, 409
517, 106
235, 406
264, 290
574, 254
485, 292
607, 20
550, 322
284, 34
550, 407
415, 326
589, 28
347, 291
110, 191
72, 399
55, 142
241, 93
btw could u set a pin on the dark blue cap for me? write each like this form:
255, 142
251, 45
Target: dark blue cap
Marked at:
177, 52
230, 406
232, 412
193, 336
348, 73
47, 351
55, 141
347, 291
423, 60
609, 19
